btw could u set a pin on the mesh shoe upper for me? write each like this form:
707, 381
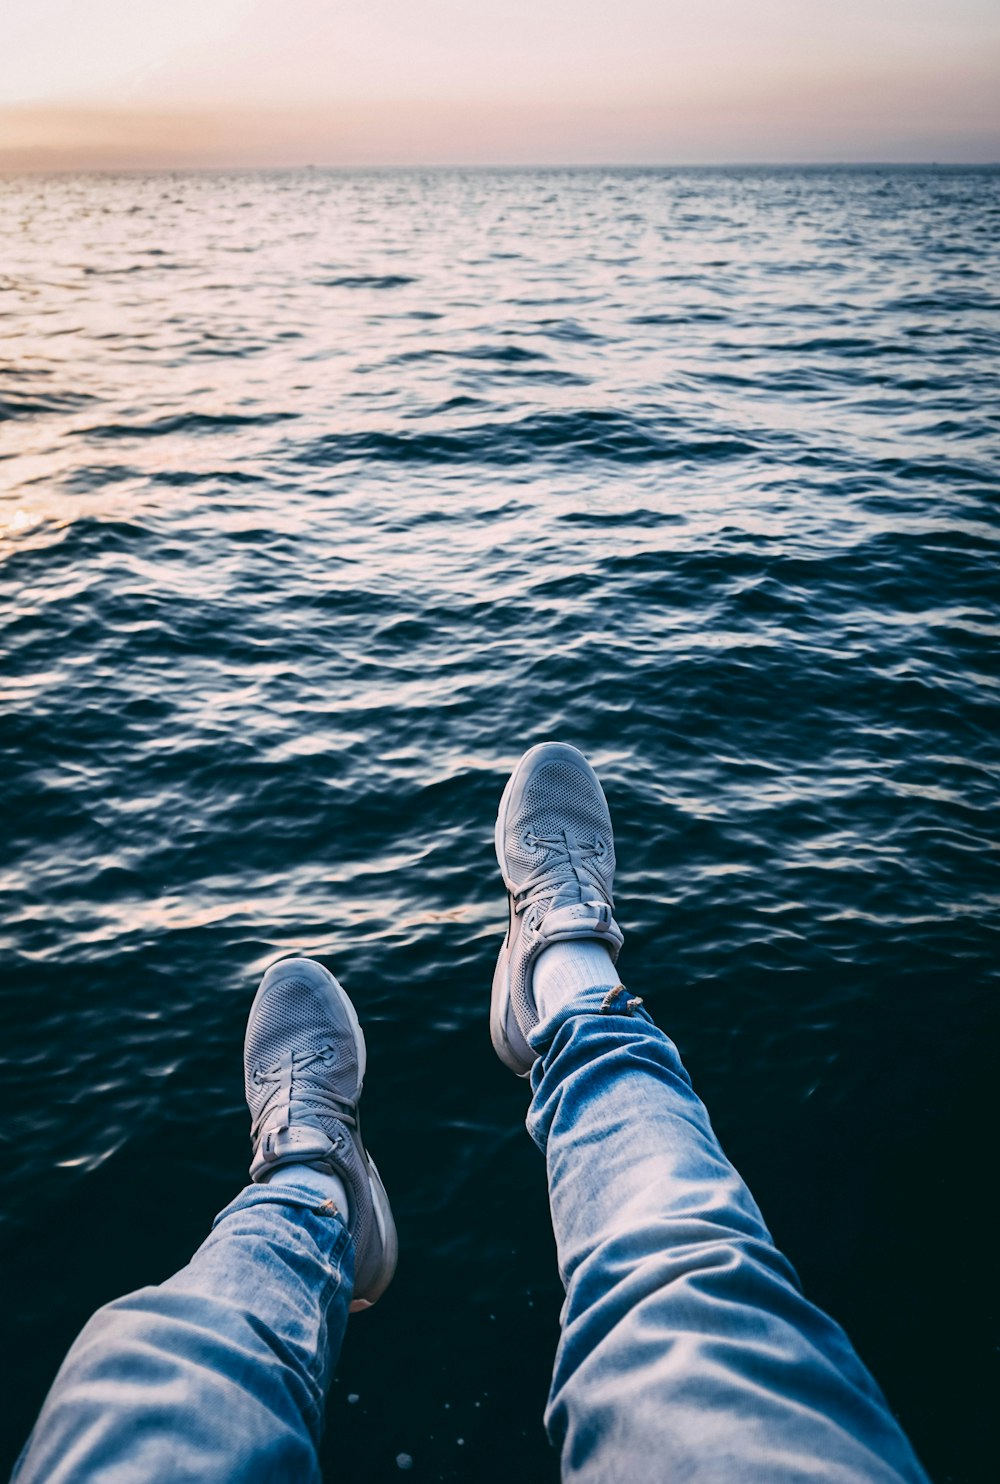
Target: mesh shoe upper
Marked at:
556, 849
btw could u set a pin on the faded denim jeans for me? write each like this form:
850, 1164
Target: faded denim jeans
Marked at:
688, 1351
221, 1372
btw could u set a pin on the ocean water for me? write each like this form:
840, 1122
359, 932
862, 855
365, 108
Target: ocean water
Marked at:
324, 495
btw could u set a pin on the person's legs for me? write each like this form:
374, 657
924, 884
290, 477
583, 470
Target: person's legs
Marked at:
220, 1373
687, 1349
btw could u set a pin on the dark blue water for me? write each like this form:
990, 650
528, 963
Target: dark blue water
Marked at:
326, 495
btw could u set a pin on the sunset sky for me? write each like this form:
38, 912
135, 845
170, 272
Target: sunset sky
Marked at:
292, 82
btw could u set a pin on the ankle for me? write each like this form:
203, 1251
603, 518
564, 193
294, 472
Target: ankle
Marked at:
328, 1187
564, 970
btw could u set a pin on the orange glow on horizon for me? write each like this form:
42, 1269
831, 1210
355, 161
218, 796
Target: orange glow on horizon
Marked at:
219, 83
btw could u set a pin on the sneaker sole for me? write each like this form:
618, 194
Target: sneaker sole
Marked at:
321, 979
390, 1240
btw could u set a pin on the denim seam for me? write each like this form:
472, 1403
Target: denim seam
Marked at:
285, 1195
331, 1287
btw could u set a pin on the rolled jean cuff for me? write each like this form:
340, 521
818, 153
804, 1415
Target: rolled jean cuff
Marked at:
282, 1195
610, 1000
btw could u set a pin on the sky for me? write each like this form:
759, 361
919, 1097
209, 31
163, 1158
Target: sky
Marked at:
138, 83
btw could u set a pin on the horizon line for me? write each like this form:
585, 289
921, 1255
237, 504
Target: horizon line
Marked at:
409, 167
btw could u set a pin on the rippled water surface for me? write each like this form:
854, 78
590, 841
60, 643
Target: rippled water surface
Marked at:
324, 496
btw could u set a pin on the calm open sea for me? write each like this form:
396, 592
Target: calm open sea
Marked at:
326, 495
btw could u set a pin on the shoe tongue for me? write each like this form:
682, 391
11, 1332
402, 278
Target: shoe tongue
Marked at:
567, 894
587, 917
572, 907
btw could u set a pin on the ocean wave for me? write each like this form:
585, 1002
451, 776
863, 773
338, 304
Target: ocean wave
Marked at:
366, 281
597, 434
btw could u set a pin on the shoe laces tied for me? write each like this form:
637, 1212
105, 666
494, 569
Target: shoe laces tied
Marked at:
565, 873
312, 1099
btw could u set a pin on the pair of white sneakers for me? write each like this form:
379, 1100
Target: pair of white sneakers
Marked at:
304, 1056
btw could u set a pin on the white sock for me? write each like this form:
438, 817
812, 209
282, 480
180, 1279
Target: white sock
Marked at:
327, 1187
564, 969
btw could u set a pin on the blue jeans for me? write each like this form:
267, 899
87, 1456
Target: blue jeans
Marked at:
221, 1372
687, 1348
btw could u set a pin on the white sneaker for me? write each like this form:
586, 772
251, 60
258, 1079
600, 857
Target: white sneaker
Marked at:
556, 851
304, 1066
